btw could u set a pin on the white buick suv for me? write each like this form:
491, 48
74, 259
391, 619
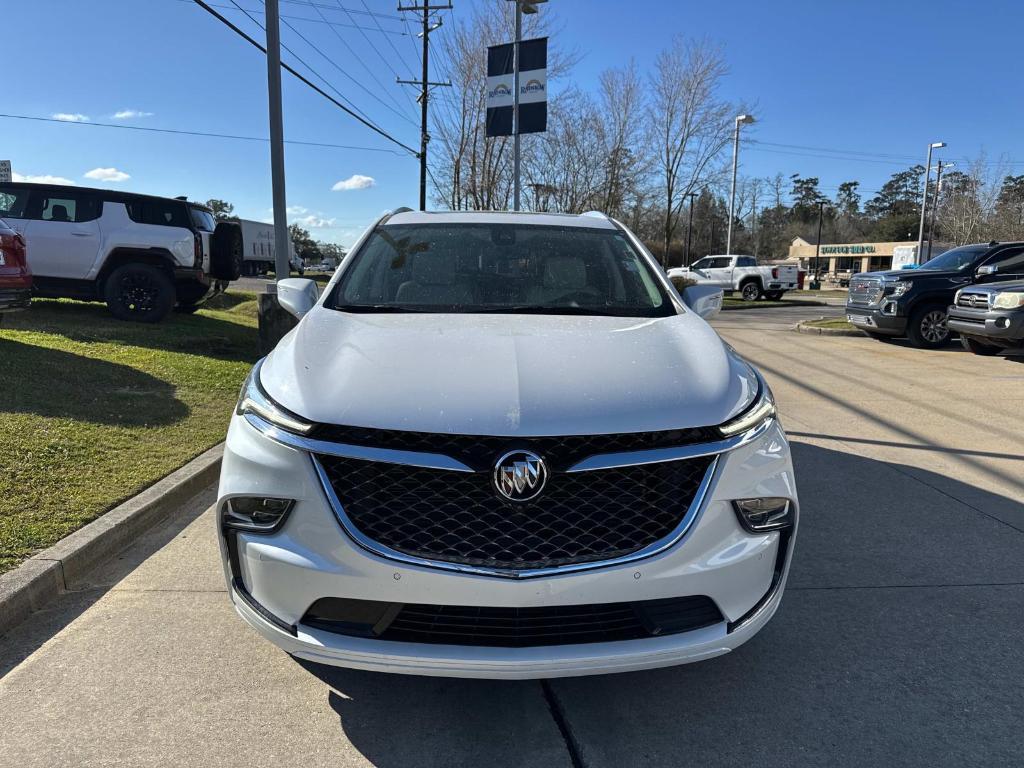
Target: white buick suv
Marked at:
502, 445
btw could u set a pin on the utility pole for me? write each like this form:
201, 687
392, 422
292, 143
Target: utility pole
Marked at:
935, 205
817, 245
924, 196
689, 228
425, 85
740, 120
281, 266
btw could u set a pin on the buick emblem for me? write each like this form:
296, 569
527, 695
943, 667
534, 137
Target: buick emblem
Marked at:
520, 475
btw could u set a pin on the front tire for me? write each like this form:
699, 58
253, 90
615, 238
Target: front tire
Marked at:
927, 328
976, 347
750, 291
139, 293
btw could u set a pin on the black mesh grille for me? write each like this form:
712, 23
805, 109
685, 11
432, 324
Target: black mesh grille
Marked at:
512, 627
457, 516
479, 452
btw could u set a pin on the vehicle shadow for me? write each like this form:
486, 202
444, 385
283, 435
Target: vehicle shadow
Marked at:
199, 334
897, 644
50, 382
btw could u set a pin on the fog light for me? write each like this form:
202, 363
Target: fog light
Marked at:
1002, 323
255, 514
764, 514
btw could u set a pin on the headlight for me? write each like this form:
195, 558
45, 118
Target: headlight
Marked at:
1009, 300
253, 399
898, 288
758, 412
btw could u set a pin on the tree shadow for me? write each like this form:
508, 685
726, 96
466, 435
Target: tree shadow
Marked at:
198, 334
57, 384
897, 644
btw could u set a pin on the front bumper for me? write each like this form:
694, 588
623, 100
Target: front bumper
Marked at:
281, 575
875, 320
1002, 326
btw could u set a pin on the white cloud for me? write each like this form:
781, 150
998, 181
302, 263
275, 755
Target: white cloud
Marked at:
44, 178
315, 222
130, 114
357, 181
295, 210
106, 174
70, 117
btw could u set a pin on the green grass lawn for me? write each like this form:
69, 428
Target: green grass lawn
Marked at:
93, 410
735, 302
831, 322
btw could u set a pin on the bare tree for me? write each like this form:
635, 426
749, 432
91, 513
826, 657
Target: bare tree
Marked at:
967, 200
690, 122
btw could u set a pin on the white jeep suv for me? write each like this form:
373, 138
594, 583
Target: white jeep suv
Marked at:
142, 255
502, 445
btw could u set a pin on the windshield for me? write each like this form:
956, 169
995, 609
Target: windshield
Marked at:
956, 259
511, 268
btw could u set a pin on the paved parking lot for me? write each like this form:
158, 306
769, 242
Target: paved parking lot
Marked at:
898, 641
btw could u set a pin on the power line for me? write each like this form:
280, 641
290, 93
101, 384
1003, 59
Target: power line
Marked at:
208, 134
375, 49
334, 64
304, 79
332, 8
393, 48
306, 18
303, 62
368, 70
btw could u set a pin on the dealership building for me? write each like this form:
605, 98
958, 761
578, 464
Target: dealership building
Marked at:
845, 259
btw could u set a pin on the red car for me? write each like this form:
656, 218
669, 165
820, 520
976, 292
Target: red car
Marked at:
15, 276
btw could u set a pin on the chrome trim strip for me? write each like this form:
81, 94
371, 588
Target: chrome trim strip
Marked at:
385, 455
441, 461
676, 453
677, 534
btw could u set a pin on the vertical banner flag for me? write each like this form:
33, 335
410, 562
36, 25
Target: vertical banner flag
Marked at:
533, 87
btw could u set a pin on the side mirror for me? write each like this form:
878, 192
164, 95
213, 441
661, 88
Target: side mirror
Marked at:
705, 300
988, 269
297, 296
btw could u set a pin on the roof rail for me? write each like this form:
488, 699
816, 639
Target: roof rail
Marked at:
389, 214
597, 215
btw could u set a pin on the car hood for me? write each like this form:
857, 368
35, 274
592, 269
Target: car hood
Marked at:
1013, 286
496, 374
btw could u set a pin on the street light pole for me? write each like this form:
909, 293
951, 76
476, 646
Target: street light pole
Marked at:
740, 119
276, 140
924, 196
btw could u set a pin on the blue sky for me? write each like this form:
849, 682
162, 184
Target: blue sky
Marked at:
879, 79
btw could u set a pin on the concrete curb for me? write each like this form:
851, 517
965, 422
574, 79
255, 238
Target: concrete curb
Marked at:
774, 305
44, 576
804, 328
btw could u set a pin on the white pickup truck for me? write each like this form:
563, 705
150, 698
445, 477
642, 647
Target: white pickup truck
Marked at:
741, 273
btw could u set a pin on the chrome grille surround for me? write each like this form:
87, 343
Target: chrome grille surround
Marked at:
636, 458
865, 291
973, 299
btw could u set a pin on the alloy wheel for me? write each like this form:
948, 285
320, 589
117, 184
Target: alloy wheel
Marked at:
933, 326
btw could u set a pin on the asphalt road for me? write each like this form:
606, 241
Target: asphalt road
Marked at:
898, 641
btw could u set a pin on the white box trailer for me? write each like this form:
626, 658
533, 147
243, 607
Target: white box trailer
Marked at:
258, 249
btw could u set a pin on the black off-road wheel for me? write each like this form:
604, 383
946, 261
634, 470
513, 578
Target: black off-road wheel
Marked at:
750, 290
978, 348
927, 327
141, 293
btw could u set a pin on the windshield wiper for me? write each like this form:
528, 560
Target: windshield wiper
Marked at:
534, 309
377, 308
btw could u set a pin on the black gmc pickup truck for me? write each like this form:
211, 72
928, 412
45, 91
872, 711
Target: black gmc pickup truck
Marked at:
914, 302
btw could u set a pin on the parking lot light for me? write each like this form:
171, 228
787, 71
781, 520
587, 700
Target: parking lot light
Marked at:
924, 195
